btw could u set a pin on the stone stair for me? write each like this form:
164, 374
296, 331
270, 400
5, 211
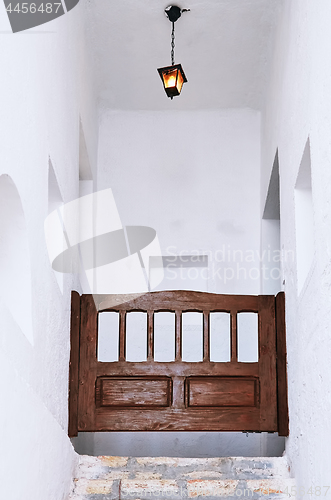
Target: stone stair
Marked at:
120, 478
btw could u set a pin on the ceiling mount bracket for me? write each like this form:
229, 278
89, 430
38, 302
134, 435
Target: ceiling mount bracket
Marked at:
173, 12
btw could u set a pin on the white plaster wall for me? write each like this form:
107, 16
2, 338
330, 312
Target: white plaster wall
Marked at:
42, 100
299, 106
194, 177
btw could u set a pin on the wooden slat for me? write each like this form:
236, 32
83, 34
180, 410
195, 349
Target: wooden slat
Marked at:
74, 364
206, 336
88, 363
173, 419
234, 337
178, 329
150, 335
267, 363
221, 391
122, 340
173, 369
183, 300
178, 392
282, 403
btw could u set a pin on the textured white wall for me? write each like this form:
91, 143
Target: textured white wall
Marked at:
299, 107
44, 91
194, 178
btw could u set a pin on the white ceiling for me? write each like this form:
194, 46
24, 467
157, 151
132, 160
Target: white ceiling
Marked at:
224, 47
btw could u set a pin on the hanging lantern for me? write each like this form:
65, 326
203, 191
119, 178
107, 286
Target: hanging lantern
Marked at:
173, 77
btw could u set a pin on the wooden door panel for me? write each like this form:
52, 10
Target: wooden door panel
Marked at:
132, 392
221, 391
182, 396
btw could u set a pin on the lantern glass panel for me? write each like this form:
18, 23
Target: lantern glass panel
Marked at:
169, 79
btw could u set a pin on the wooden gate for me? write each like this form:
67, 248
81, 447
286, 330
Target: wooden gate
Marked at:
178, 395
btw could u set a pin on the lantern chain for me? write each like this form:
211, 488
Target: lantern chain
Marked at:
173, 45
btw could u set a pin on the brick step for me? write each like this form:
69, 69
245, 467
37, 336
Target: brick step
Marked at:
119, 478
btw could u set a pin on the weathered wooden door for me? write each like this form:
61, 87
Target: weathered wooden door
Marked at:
178, 395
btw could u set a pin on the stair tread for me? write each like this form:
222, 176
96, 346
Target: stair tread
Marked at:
139, 478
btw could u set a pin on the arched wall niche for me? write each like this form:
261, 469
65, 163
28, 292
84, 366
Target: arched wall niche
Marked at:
271, 270
15, 267
55, 202
304, 219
